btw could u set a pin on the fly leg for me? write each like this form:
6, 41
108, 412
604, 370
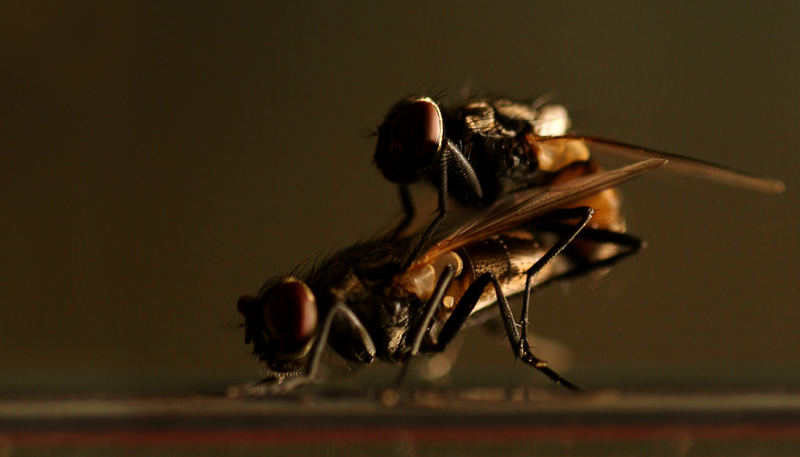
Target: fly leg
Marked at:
519, 347
314, 355
583, 213
439, 218
416, 334
630, 243
450, 155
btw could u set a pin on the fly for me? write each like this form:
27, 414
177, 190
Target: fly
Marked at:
479, 151
366, 303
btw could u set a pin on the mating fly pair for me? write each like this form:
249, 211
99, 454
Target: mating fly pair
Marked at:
400, 294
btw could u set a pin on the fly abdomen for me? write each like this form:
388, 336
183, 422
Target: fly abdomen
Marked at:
506, 255
509, 256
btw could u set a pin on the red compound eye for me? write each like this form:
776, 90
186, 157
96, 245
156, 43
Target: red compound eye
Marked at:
418, 130
290, 314
409, 139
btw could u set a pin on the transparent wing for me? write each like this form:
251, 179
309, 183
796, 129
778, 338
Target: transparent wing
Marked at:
523, 206
603, 147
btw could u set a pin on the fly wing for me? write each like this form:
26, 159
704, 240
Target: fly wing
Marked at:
521, 207
603, 147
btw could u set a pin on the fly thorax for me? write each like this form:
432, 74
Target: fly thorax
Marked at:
388, 316
395, 324
521, 112
479, 118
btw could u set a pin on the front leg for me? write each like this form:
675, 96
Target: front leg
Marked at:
450, 155
439, 217
278, 384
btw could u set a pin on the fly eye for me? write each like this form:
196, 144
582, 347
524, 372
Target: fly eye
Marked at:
409, 138
290, 314
418, 130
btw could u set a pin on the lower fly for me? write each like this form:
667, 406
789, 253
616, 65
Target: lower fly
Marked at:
366, 303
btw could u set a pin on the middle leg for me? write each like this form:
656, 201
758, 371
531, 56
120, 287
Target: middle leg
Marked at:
465, 307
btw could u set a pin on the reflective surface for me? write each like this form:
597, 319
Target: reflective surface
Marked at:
411, 422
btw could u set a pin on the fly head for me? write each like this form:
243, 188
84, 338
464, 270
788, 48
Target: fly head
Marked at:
281, 322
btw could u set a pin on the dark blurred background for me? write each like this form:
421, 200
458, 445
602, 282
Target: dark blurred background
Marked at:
159, 159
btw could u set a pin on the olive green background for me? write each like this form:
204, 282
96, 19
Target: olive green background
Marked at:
160, 159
